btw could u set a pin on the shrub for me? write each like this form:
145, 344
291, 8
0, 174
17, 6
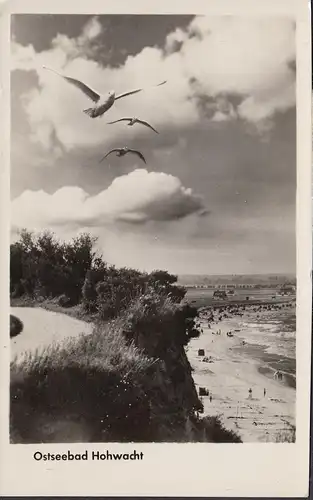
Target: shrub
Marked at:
89, 290
163, 281
155, 321
215, 431
117, 290
110, 291
65, 301
16, 326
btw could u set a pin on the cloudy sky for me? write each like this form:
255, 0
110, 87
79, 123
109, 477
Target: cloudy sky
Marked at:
218, 192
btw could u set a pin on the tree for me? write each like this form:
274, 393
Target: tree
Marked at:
42, 265
164, 281
78, 255
16, 269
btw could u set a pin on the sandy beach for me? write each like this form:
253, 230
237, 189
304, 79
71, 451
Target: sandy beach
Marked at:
231, 366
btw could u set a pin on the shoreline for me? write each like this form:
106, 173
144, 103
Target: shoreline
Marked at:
230, 367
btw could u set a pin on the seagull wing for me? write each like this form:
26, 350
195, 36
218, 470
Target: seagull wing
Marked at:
121, 120
135, 91
128, 93
162, 83
147, 125
112, 151
137, 153
94, 96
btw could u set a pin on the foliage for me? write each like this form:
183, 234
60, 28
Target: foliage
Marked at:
110, 291
42, 266
163, 281
216, 432
157, 318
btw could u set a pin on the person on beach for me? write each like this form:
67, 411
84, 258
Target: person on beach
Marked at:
264, 392
250, 393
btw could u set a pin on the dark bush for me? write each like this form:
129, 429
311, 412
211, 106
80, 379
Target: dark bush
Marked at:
65, 301
16, 326
217, 433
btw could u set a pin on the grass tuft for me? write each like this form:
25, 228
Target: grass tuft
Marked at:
286, 436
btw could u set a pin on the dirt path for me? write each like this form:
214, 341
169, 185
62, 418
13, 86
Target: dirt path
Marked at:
42, 328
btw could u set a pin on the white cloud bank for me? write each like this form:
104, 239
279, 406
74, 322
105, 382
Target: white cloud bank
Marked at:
137, 197
247, 57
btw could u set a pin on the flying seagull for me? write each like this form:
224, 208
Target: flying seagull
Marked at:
132, 121
102, 103
123, 152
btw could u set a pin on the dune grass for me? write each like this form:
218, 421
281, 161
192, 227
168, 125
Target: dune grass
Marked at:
286, 436
98, 380
53, 305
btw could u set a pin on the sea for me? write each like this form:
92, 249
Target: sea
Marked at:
271, 338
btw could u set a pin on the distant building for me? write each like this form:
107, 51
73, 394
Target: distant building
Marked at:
219, 294
287, 289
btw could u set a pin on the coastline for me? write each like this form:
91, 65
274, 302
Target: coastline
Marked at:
233, 367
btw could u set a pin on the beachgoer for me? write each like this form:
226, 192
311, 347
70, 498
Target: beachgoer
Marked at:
264, 392
250, 392
211, 399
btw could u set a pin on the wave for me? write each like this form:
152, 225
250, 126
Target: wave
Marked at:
277, 336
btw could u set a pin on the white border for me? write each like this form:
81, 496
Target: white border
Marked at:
172, 469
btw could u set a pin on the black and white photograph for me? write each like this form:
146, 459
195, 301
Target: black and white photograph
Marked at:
153, 243
154, 275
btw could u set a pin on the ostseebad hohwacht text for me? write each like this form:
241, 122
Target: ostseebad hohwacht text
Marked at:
87, 455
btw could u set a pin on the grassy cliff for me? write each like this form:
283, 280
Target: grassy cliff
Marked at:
130, 380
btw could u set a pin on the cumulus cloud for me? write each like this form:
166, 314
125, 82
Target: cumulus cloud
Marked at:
63, 49
137, 197
251, 58
91, 30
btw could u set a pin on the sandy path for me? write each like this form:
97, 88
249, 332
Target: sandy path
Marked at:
42, 328
228, 378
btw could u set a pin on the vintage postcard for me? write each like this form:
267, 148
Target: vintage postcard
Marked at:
156, 248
